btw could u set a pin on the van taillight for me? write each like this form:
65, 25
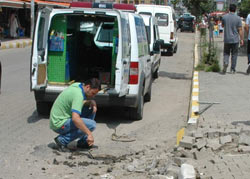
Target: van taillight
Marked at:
172, 36
133, 75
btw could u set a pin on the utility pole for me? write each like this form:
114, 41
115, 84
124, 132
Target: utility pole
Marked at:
32, 18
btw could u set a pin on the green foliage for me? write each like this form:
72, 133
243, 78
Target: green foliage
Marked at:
245, 7
175, 2
199, 7
209, 57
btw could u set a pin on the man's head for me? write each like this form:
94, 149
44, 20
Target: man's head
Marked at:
91, 87
232, 7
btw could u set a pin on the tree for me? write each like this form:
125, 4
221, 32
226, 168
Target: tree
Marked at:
175, 2
244, 8
199, 7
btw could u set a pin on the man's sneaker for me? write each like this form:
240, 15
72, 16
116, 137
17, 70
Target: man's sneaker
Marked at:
61, 147
232, 71
224, 69
248, 69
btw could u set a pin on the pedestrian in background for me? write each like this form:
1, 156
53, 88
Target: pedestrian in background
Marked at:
232, 30
247, 30
73, 113
220, 28
0, 75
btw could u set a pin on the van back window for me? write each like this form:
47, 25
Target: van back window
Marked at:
162, 19
40, 33
146, 13
106, 33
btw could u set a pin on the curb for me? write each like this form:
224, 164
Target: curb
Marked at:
194, 108
194, 99
21, 44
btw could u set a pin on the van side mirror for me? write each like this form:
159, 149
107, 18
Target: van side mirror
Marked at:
157, 45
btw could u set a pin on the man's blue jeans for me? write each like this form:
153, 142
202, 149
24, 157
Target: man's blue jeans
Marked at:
233, 50
69, 132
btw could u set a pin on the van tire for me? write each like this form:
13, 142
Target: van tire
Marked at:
175, 49
147, 97
43, 108
137, 113
156, 73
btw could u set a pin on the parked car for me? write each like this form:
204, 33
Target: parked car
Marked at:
187, 24
78, 43
166, 22
154, 41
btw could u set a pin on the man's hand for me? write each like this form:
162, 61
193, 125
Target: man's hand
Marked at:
93, 106
90, 139
241, 42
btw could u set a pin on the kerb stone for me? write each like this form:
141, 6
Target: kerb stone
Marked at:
187, 142
225, 139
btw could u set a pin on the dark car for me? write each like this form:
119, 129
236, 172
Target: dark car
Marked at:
187, 24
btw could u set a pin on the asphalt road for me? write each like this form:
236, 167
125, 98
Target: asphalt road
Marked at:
26, 141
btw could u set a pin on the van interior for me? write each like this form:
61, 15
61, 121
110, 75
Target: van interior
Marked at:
82, 47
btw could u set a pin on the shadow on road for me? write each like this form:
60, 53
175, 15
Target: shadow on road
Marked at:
241, 122
35, 117
176, 76
113, 116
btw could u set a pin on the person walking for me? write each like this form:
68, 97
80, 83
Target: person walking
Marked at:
247, 30
232, 30
72, 115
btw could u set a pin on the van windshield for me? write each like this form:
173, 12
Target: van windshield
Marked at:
162, 19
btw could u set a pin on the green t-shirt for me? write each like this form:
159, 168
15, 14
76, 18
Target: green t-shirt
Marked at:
70, 100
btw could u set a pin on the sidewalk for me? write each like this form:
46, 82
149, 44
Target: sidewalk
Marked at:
15, 43
224, 128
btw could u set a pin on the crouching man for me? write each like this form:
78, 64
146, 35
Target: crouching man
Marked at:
72, 115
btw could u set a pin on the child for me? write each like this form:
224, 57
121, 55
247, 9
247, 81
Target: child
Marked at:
216, 30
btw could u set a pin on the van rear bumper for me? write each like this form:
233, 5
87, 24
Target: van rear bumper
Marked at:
167, 45
102, 100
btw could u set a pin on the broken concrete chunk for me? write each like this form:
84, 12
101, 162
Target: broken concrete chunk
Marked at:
232, 131
243, 148
244, 139
201, 143
187, 142
225, 139
212, 133
214, 144
187, 171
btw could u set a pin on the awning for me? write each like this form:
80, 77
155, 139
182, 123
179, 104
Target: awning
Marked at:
12, 3
51, 3
26, 3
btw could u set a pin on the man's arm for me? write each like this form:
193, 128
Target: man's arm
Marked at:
241, 36
80, 125
247, 29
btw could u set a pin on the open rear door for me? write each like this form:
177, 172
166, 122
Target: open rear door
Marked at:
39, 51
126, 50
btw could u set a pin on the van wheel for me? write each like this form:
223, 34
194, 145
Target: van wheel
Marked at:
137, 113
156, 73
147, 96
175, 49
43, 108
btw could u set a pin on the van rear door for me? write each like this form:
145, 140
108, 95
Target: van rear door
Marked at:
163, 25
39, 53
125, 46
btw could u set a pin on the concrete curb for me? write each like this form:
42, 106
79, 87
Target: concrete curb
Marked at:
17, 44
194, 107
194, 98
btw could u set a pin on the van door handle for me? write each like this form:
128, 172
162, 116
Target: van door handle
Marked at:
125, 62
148, 60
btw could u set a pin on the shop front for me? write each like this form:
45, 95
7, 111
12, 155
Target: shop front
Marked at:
15, 16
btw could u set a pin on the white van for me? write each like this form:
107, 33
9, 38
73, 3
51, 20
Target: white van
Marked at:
75, 44
166, 22
154, 41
